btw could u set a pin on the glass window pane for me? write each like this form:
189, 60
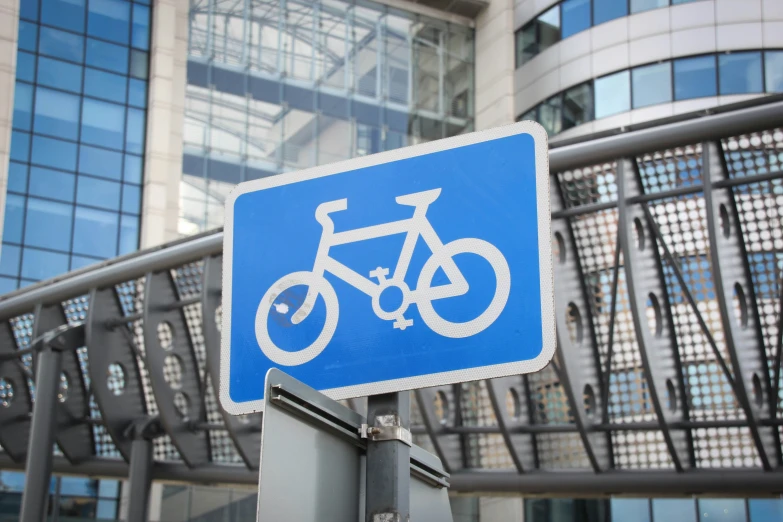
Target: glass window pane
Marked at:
637, 6
25, 66
61, 75
109, 20
671, 509
100, 162
140, 37
612, 94
78, 486
109, 489
134, 138
98, 193
56, 113
550, 115
577, 105
139, 64
51, 184
137, 92
131, 199
526, 44
9, 285
75, 507
9, 260
78, 262
605, 10
103, 123
721, 510
14, 218
695, 78
576, 16
40, 264
61, 44
626, 509
652, 84
23, 106
773, 63
105, 85
54, 153
107, 56
95, 232
20, 146
129, 235
107, 510
133, 167
68, 14
765, 510
17, 177
28, 9
48, 224
28, 36
549, 28
740, 73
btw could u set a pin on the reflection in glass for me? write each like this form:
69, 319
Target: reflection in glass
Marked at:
17, 177
576, 16
773, 63
612, 94
129, 234
549, 29
105, 85
98, 193
103, 123
674, 509
53, 153
526, 44
137, 93
62, 75
109, 20
695, 77
721, 510
20, 146
78, 486
28, 36
133, 167
637, 6
577, 105
61, 44
42, 264
14, 218
765, 510
134, 135
23, 106
651, 84
550, 115
140, 35
740, 73
567, 509
95, 232
68, 14
56, 113
605, 10
48, 224
100, 162
9, 262
626, 509
104, 55
131, 199
25, 66
51, 184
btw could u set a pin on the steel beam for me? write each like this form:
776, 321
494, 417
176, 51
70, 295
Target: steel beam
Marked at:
646, 288
243, 431
173, 369
741, 329
16, 409
139, 479
442, 444
113, 368
521, 446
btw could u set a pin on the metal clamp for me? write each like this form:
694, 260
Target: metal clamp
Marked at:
384, 433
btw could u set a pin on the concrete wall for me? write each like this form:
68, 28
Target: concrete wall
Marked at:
9, 27
495, 65
165, 121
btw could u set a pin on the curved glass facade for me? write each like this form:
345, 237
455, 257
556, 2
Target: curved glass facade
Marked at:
741, 72
274, 86
569, 17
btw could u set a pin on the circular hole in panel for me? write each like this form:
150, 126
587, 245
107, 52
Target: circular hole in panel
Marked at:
115, 378
638, 233
165, 335
219, 318
559, 252
513, 407
172, 371
654, 315
6, 392
758, 391
441, 405
740, 305
574, 323
589, 401
62, 393
671, 395
725, 222
182, 404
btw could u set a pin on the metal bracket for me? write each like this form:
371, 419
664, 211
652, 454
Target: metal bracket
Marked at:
384, 433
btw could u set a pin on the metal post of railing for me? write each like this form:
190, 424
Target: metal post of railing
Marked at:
139, 479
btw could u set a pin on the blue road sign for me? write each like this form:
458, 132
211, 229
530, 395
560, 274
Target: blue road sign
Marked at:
417, 267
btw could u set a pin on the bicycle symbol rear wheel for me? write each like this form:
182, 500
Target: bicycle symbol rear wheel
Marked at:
315, 283
499, 264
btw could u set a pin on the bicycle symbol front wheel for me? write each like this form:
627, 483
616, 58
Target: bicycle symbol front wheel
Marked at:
315, 283
499, 265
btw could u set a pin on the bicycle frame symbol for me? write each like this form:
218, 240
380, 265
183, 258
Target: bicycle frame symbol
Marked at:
422, 296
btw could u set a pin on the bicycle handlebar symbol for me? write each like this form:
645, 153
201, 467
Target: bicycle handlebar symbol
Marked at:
422, 296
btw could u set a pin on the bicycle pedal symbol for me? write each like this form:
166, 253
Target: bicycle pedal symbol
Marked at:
422, 296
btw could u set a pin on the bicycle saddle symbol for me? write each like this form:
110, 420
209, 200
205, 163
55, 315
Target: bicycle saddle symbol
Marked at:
422, 296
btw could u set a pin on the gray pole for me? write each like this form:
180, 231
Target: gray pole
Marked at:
388, 461
139, 479
38, 471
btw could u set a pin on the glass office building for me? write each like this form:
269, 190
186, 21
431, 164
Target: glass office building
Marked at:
77, 145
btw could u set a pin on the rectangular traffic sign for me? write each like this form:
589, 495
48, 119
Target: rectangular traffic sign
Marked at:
416, 267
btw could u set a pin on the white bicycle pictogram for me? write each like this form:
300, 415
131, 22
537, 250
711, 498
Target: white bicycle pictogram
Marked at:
422, 296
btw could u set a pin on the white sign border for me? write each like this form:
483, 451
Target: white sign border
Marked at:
421, 381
